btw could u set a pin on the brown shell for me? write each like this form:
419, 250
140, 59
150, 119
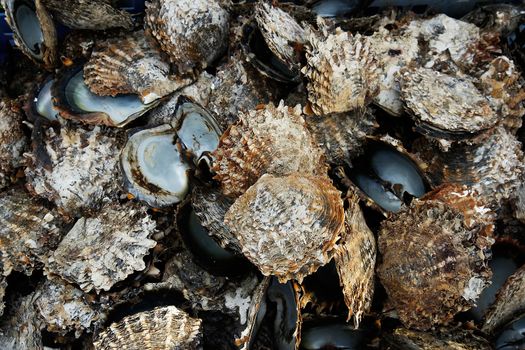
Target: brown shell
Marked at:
405, 339
341, 71
509, 304
163, 328
355, 260
93, 14
3, 286
287, 226
130, 65
434, 264
193, 33
103, 250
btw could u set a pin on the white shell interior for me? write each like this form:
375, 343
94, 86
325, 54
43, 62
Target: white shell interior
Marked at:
198, 132
44, 103
29, 29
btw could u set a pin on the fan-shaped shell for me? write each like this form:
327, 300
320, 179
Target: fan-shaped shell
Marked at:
434, 264
271, 140
287, 226
193, 33
163, 328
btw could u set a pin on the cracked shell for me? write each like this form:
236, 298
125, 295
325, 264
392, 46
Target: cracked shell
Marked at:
287, 226
193, 33
434, 256
163, 328
269, 140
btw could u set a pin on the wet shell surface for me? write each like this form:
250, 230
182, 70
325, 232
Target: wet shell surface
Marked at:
163, 328
270, 140
434, 264
192, 33
287, 226
103, 250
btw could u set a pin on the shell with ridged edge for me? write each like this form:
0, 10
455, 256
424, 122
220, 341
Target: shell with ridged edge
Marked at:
434, 259
130, 65
193, 33
163, 328
341, 70
269, 140
288, 226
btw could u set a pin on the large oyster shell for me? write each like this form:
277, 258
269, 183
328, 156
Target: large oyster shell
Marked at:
163, 328
434, 257
272, 140
287, 226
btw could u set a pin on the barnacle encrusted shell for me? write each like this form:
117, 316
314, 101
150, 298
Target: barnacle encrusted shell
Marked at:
103, 250
77, 170
93, 14
269, 140
444, 105
341, 71
403, 339
130, 65
355, 260
163, 328
434, 260
13, 141
193, 33
287, 226
509, 304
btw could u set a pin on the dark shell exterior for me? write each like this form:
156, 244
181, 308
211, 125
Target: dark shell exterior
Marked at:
21, 328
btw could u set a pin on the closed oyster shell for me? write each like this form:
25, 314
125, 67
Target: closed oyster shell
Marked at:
162, 328
405, 339
287, 226
270, 140
434, 261
341, 71
13, 141
103, 250
192, 33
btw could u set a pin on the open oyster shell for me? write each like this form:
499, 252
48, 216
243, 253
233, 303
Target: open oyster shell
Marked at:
287, 226
162, 328
434, 256
103, 250
405, 339
269, 140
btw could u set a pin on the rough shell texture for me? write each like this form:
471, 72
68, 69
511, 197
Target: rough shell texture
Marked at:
163, 328
3, 286
29, 232
355, 260
510, 302
443, 105
270, 140
92, 14
103, 250
192, 33
519, 203
341, 72
130, 65
75, 168
20, 329
433, 265
288, 226
404, 339
13, 141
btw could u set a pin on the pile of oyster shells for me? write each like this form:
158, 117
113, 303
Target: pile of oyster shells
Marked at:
224, 174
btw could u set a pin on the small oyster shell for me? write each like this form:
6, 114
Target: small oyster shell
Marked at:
445, 106
272, 140
192, 33
39, 102
130, 65
341, 71
162, 328
288, 226
434, 261
92, 15
13, 141
100, 251
405, 339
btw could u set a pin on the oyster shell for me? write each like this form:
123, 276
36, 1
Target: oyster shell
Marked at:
130, 65
341, 71
405, 339
287, 226
92, 15
100, 251
161, 328
270, 140
434, 260
39, 103
21, 328
192, 33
